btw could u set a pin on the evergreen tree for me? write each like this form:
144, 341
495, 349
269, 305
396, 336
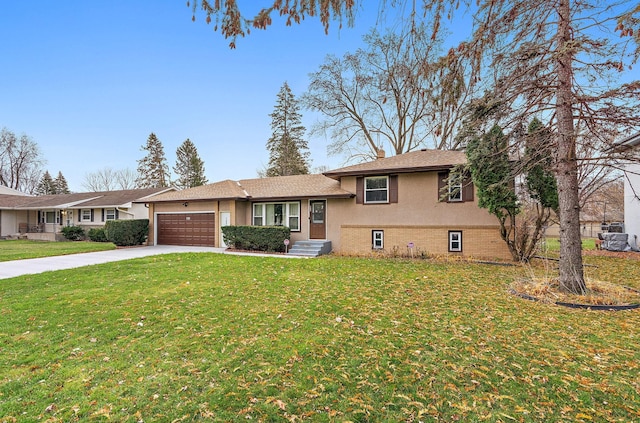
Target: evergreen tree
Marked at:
60, 184
541, 183
189, 166
153, 171
46, 186
288, 151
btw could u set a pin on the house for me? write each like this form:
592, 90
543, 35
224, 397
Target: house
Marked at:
389, 204
603, 209
42, 217
630, 147
10, 191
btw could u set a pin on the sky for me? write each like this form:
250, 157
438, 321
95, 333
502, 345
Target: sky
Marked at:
88, 81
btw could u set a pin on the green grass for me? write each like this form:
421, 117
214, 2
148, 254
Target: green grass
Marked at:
185, 337
553, 244
23, 249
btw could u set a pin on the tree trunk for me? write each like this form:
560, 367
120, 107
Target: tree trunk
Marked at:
570, 265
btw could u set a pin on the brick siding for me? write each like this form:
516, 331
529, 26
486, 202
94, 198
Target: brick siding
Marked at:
477, 242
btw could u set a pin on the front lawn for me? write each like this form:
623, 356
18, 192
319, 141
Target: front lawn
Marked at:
24, 249
183, 337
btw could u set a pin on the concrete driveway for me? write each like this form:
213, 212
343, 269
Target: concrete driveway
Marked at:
10, 269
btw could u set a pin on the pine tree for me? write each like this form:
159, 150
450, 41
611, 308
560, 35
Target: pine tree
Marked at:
153, 171
60, 184
46, 186
189, 166
288, 151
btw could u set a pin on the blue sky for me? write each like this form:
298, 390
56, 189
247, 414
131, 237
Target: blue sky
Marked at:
90, 80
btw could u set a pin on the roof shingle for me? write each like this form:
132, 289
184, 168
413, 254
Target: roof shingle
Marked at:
422, 160
77, 200
278, 187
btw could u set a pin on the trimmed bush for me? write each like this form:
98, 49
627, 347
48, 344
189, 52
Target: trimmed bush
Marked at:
258, 238
126, 233
73, 233
97, 235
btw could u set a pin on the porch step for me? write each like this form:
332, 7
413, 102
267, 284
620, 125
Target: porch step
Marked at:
310, 248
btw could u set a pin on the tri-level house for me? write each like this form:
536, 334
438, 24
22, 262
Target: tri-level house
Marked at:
404, 203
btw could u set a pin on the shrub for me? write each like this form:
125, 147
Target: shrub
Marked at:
125, 233
259, 238
97, 235
73, 233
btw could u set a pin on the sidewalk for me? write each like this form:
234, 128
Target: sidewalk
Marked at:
10, 269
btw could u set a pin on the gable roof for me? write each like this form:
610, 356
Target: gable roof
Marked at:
120, 198
415, 161
273, 188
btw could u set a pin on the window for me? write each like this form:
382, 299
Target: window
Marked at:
455, 241
378, 240
110, 214
85, 215
294, 216
257, 214
455, 187
50, 217
277, 214
376, 189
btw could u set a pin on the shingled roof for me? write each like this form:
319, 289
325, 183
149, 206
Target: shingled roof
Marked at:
415, 161
120, 198
274, 188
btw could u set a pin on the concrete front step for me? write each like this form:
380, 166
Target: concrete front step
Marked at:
310, 248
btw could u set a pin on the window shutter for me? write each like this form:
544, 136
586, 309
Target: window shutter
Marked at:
393, 188
360, 190
103, 215
92, 215
79, 215
117, 214
442, 183
467, 189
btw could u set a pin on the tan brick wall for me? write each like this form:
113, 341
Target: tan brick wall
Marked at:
477, 242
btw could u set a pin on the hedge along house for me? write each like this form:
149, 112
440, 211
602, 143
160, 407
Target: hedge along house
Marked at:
43, 217
401, 204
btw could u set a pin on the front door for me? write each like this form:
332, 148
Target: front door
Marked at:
318, 226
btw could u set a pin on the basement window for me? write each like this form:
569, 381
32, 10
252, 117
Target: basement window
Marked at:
455, 241
377, 240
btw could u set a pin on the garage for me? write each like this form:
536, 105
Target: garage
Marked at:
198, 229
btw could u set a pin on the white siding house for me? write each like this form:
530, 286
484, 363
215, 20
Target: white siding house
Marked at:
632, 190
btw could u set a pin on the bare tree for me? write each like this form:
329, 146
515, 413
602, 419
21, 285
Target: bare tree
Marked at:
395, 94
125, 178
108, 179
20, 162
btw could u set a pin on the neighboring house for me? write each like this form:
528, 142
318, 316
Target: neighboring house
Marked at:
10, 191
604, 208
631, 145
384, 205
42, 217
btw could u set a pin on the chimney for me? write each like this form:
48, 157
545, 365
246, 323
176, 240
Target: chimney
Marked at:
379, 153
